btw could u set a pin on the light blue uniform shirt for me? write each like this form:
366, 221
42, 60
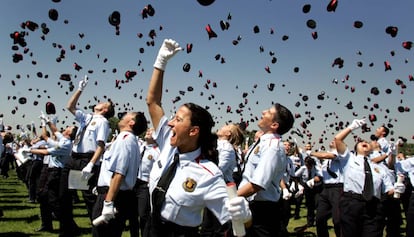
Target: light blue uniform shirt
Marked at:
265, 167
289, 172
337, 166
227, 159
151, 154
59, 150
406, 167
122, 157
354, 175
198, 183
97, 130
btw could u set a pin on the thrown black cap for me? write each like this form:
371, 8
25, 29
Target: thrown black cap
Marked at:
53, 14
358, 24
391, 30
205, 2
311, 24
186, 67
306, 8
50, 108
22, 100
115, 18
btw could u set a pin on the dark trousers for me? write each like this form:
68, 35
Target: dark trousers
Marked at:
42, 198
114, 227
410, 217
360, 218
211, 226
328, 206
392, 213
262, 225
139, 218
67, 223
169, 229
298, 204
53, 190
33, 177
310, 203
285, 210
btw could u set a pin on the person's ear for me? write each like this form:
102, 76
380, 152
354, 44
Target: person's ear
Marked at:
194, 130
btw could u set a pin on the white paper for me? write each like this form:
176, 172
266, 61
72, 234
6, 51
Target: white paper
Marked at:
76, 181
21, 157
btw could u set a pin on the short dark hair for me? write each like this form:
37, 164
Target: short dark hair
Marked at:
141, 124
386, 130
73, 133
111, 110
284, 118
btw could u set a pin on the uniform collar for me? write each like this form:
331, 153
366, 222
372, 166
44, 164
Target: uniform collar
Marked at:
190, 156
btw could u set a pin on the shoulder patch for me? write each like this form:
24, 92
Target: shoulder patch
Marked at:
125, 136
189, 185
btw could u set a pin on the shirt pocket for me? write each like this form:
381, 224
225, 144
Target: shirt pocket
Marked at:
178, 201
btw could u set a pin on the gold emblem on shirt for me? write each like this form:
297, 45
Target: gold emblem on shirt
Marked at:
376, 170
150, 157
93, 123
189, 185
256, 150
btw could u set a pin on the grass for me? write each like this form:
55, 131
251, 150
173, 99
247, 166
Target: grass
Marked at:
21, 218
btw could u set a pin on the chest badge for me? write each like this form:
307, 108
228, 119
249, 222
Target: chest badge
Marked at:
256, 150
376, 170
150, 157
93, 123
189, 185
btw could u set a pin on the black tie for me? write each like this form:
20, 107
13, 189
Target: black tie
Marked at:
368, 191
250, 151
80, 134
158, 195
143, 151
330, 172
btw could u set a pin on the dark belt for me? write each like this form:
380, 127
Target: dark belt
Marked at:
178, 229
141, 182
339, 185
81, 155
358, 196
54, 168
102, 189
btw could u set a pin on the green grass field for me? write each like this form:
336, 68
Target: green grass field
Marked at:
21, 218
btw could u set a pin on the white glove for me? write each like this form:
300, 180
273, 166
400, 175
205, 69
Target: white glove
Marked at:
168, 49
393, 149
239, 210
95, 191
87, 171
83, 83
292, 187
43, 119
399, 187
310, 183
286, 194
108, 213
300, 191
356, 123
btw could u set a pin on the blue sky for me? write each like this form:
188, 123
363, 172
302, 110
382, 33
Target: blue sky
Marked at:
241, 81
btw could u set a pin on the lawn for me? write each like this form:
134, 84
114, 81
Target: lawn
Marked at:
21, 218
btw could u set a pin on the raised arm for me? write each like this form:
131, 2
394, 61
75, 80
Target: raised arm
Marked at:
168, 49
340, 137
71, 106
